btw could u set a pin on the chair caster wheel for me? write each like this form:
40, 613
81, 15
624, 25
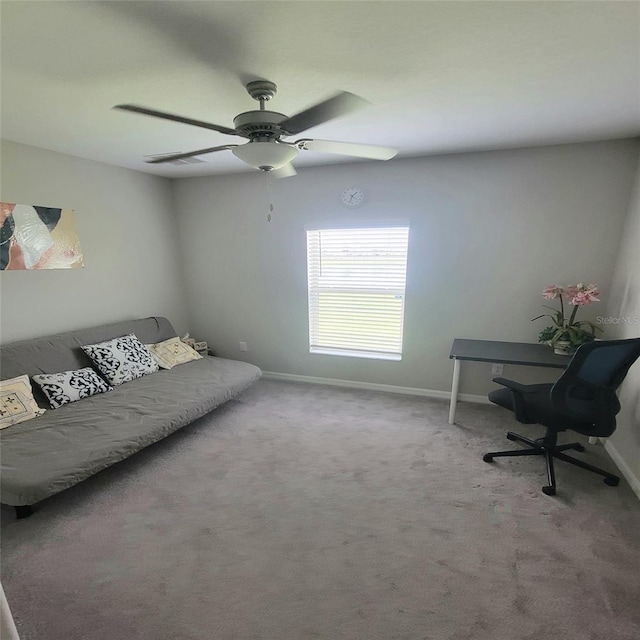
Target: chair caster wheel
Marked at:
487, 458
550, 491
578, 447
510, 436
612, 482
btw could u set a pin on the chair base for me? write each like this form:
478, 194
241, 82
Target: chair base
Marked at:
547, 448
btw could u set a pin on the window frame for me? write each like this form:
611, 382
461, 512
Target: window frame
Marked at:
362, 345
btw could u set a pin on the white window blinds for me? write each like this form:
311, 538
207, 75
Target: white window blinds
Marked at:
356, 291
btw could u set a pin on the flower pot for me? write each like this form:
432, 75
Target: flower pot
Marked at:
562, 348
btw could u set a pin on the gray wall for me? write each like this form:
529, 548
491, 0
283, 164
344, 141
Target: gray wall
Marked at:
127, 230
488, 232
623, 314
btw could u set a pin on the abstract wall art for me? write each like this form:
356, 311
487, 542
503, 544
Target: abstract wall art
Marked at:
33, 237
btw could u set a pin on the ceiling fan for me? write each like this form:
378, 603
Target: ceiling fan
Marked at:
266, 150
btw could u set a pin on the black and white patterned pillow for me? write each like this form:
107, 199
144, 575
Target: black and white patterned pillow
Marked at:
122, 359
69, 386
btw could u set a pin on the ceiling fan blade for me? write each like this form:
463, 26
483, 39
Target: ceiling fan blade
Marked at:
371, 151
190, 154
170, 116
286, 171
339, 105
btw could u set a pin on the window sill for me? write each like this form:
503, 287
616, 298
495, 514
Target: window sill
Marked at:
355, 354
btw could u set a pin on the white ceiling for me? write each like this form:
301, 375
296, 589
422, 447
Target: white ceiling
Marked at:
442, 76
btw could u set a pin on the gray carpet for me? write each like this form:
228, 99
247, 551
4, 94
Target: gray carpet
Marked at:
302, 512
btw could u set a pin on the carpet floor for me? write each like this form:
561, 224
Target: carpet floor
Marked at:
305, 512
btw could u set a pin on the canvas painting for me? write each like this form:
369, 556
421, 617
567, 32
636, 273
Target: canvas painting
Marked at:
33, 237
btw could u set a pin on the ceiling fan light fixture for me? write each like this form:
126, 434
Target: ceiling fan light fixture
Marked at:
265, 155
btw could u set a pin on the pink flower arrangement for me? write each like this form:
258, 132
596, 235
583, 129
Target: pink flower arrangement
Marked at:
576, 333
578, 294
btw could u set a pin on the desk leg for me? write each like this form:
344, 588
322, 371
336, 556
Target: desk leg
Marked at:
454, 391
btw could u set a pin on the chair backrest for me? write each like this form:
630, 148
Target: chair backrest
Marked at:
587, 388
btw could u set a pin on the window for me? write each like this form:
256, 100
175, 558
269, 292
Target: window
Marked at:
356, 291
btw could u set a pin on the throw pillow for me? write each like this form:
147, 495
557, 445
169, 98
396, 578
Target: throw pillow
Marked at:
172, 352
16, 401
69, 386
122, 359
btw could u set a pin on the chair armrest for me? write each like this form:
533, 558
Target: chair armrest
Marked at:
518, 391
514, 386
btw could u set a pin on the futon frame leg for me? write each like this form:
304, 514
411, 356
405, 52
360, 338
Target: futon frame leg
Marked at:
24, 511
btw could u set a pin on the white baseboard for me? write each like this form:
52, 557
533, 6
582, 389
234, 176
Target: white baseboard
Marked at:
373, 386
625, 469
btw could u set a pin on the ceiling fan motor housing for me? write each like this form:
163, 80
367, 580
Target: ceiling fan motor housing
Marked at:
259, 124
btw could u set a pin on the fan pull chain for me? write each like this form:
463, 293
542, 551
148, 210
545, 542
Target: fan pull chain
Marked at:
269, 196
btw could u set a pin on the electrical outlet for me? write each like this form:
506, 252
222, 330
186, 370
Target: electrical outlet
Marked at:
243, 346
497, 369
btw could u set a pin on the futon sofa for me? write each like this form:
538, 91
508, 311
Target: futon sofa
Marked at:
49, 453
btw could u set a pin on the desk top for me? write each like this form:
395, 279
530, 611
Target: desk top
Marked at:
523, 353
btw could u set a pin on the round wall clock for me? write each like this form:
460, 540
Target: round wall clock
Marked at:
352, 197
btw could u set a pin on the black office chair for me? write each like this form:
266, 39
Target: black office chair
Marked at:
583, 400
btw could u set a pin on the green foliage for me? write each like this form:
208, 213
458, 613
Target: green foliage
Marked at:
547, 334
574, 334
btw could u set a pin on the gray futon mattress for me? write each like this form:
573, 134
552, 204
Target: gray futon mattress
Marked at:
48, 454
